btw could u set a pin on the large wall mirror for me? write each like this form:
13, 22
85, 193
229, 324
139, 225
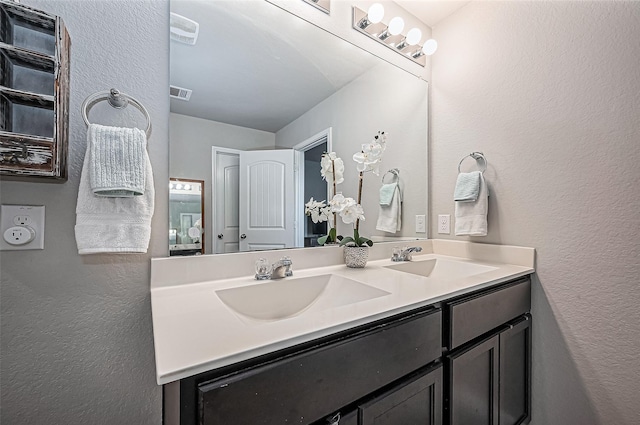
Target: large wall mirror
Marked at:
268, 87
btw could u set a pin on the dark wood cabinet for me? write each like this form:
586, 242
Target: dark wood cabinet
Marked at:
473, 384
309, 385
489, 380
416, 400
465, 361
515, 373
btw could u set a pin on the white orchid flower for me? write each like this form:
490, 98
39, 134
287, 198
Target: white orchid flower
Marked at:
327, 169
339, 202
369, 157
326, 212
317, 210
352, 212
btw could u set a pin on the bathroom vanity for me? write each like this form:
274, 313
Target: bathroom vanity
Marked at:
443, 339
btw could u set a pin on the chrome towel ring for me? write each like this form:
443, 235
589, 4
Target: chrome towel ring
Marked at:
117, 100
478, 156
395, 175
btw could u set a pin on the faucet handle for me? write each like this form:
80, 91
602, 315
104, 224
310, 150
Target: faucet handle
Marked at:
263, 269
286, 261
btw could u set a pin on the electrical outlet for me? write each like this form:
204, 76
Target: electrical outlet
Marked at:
22, 227
421, 226
19, 235
444, 225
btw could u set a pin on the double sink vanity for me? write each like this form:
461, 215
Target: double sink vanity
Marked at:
443, 338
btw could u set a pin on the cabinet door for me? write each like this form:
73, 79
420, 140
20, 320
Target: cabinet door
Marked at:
515, 373
417, 400
473, 384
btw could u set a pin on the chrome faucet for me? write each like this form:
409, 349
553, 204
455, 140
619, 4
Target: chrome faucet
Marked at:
404, 254
277, 270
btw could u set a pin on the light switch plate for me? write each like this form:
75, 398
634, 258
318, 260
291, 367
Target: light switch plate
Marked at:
30, 216
421, 225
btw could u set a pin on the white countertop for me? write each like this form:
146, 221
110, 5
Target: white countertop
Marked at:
194, 331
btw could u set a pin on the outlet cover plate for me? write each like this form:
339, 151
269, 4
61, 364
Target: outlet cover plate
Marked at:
444, 224
34, 219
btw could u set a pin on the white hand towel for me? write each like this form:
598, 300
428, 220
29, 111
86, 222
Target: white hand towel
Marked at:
113, 225
386, 193
471, 217
390, 217
117, 161
467, 187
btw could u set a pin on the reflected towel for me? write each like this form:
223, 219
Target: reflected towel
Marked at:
467, 187
390, 217
386, 193
471, 217
113, 225
117, 164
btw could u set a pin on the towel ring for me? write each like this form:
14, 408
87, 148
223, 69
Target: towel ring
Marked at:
477, 156
394, 171
117, 100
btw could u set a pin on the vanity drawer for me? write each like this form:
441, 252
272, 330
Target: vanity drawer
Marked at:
309, 385
471, 316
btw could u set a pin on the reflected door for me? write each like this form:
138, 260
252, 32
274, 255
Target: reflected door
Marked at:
225, 201
267, 207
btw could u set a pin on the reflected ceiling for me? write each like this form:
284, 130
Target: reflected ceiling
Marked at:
272, 83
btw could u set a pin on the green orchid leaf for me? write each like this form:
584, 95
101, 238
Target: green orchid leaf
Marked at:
323, 239
346, 240
365, 241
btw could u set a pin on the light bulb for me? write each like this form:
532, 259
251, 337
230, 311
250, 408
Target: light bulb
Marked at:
375, 13
187, 187
396, 26
413, 36
430, 47
170, 185
179, 186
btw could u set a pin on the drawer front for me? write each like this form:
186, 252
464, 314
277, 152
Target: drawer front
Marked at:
470, 317
306, 387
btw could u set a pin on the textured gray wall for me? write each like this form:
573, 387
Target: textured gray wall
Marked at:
77, 345
549, 92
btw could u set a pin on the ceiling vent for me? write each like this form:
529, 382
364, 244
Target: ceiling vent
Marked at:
183, 29
179, 93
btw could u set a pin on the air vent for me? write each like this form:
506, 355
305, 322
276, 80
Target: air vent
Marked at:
179, 93
183, 29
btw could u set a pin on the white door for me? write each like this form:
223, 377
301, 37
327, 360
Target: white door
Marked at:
267, 202
226, 229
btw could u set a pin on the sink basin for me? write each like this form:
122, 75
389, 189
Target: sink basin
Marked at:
441, 269
276, 300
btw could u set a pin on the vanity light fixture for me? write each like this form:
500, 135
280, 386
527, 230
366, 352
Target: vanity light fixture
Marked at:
373, 16
396, 25
323, 5
413, 37
371, 24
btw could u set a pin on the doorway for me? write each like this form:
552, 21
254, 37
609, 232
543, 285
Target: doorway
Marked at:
233, 229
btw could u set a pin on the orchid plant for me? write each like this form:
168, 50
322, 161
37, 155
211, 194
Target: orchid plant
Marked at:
368, 160
332, 170
349, 209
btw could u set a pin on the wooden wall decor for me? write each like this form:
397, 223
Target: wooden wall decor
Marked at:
34, 93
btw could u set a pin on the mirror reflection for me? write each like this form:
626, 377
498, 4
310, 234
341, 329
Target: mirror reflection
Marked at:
186, 213
270, 88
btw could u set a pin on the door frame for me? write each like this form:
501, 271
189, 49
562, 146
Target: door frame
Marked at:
299, 150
